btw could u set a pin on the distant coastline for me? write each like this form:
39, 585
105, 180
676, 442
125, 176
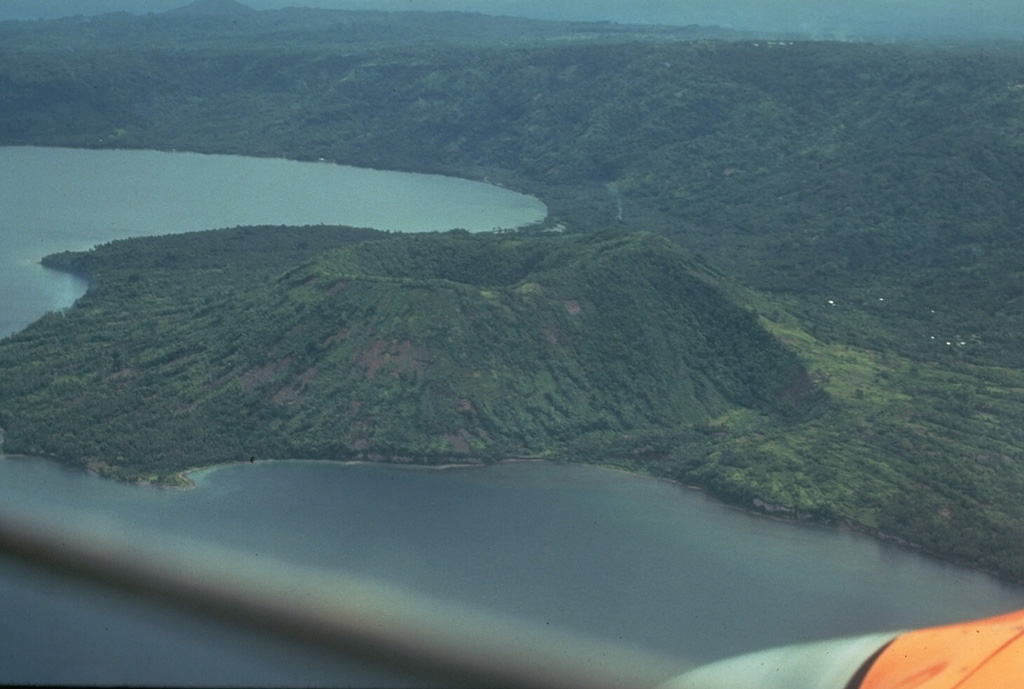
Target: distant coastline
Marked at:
183, 481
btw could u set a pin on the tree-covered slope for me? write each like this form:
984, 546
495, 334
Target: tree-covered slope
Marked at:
423, 347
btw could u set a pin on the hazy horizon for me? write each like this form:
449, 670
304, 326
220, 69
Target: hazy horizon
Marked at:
1003, 19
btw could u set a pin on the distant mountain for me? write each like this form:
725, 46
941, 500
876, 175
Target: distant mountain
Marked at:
220, 7
421, 348
228, 23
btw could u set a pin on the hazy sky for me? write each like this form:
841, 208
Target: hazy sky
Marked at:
1001, 18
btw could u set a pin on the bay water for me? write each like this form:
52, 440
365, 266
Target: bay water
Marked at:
60, 199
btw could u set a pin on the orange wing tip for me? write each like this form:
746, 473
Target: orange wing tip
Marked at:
983, 654
820, 665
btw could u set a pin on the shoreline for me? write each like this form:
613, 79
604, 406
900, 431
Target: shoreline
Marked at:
182, 481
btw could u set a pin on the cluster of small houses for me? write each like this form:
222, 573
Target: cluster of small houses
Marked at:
957, 340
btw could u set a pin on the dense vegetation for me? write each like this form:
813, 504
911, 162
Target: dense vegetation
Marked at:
428, 348
863, 200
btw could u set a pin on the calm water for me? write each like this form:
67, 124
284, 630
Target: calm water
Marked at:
594, 551
55, 199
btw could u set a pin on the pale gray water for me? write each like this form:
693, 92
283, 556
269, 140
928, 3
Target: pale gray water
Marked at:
596, 552
56, 199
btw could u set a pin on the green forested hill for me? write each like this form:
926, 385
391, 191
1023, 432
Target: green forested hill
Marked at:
863, 201
426, 348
